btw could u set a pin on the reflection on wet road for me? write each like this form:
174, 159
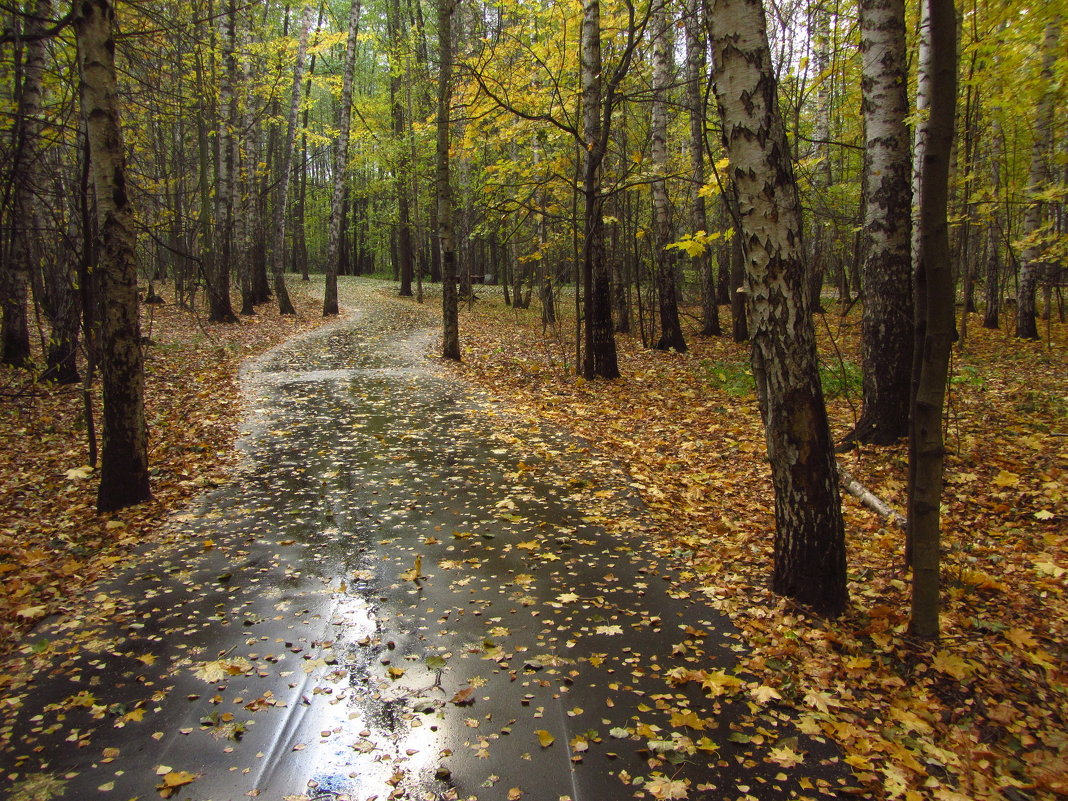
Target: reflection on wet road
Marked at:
393, 600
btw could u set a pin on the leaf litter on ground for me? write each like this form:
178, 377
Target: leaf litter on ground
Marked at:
983, 714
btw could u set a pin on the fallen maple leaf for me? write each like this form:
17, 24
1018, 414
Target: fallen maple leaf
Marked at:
951, 665
1006, 479
765, 694
662, 787
786, 757
173, 781
219, 669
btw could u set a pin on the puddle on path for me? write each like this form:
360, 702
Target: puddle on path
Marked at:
281, 649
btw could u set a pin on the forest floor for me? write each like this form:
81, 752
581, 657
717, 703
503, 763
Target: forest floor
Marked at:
981, 714
52, 542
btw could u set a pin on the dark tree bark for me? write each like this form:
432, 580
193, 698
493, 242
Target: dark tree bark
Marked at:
450, 340
671, 337
124, 458
220, 308
279, 216
809, 540
599, 356
886, 342
341, 159
934, 326
398, 78
696, 78
15, 271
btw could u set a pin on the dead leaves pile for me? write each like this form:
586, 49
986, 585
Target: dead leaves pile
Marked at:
52, 542
981, 714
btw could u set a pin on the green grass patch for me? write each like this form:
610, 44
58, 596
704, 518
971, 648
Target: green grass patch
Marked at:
839, 379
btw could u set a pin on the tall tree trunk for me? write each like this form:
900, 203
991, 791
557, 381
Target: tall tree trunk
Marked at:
124, 463
809, 540
279, 217
599, 357
934, 304
26, 175
696, 76
220, 308
300, 239
671, 337
886, 342
992, 275
242, 161
821, 238
450, 340
60, 302
1031, 262
736, 269
341, 161
399, 78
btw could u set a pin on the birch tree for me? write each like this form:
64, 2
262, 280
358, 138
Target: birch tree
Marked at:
124, 456
809, 538
886, 338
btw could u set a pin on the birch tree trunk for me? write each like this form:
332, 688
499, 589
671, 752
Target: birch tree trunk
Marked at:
934, 300
279, 216
1026, 323
671, 337
124, 458
450, 340
809, 540
25, 173
696, 68
886, 341
341, 161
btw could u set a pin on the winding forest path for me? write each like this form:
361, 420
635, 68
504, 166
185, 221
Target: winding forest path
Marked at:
391, 600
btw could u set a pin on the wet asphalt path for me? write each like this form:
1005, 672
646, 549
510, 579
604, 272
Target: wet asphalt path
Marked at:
392, 599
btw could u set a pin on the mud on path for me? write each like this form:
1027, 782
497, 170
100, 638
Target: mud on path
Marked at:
394, 599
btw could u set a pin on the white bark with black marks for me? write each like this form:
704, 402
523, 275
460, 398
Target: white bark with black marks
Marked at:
809, 538
886, 343
124, 456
